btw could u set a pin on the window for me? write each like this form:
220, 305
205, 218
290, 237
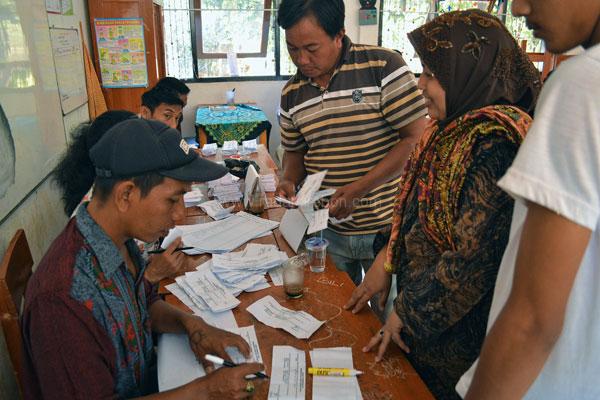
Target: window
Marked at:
400, 17
224, 39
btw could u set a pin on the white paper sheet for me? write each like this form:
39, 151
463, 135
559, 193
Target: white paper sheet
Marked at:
230, 147
312, 183
176, 361
277, 276
225, 235
293, 227
250, 146
334, 387
299, 323
288, 374
182, 295
206, 285
197, 300
215, 210
209, 149
249, 181
319, 221
171, 236
268, 183
249, 335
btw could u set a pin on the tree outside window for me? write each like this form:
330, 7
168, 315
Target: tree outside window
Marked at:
399, 17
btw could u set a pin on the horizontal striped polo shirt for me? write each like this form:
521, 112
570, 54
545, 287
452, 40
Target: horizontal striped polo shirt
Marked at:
348, 127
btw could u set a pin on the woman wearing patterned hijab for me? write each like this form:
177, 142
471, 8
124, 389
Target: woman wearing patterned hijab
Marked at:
451, 221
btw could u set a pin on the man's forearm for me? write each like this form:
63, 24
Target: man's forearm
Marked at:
293, 166
167, 318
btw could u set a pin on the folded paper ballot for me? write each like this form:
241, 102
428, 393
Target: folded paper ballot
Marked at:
299, 323
215, 210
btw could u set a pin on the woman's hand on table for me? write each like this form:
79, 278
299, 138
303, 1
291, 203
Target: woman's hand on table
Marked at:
205, 339
389, 332
167, 264
376, 281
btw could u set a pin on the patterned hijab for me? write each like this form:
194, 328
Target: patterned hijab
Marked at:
490, 87
477, 62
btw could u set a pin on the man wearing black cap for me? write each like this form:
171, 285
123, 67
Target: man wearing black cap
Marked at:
89, 314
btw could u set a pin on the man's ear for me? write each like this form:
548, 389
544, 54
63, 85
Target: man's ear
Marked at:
145, 112
124, 193
339, 37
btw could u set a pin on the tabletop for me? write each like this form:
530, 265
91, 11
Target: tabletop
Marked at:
324, 296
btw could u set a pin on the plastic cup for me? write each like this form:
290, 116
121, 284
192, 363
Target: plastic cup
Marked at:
230, 97
317, 251
293, 276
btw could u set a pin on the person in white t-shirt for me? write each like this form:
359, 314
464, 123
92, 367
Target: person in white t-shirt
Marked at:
544, 328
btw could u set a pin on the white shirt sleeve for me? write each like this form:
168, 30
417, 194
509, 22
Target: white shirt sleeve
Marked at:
558, 164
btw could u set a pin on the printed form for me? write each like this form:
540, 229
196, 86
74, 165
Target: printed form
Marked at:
334, 387
299, 323
288, 374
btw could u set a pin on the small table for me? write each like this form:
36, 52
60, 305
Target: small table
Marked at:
219, 123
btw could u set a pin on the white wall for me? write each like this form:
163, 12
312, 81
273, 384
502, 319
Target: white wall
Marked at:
40, 214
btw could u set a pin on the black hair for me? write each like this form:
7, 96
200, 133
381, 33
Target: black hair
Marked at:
174, 84
160, 95
146, 182
75, 172
329, 14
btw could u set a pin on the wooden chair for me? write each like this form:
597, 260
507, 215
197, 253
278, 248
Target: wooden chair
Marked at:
547, 59
15, 271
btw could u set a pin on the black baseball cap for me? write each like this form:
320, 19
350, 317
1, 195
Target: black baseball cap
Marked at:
138, 146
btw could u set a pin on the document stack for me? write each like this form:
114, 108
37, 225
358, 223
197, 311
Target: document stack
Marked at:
243, 270
226, 189
230, 148
267, 182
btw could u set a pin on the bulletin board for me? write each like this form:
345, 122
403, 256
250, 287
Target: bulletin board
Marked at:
122, 52
32, 134
70, 72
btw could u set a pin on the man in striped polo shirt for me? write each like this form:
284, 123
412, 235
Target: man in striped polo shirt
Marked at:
353, 110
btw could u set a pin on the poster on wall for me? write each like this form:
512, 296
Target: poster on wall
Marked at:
122, 52
70, 73
63, 7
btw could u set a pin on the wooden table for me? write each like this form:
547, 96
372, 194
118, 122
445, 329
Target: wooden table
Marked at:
324, 295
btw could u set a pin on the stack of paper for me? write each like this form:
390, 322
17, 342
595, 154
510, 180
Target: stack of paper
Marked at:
209, 149
268, 183
243, 270
200, 290
334, 387
193, 198
299, 323
230, 147
226, 189
224, 235
249, 146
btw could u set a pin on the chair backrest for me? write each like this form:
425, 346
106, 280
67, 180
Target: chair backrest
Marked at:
15, 271
547, 59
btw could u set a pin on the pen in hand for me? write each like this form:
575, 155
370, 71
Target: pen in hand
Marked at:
227, 363
163, 250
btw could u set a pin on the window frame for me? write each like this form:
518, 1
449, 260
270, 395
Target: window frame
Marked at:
196, 12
